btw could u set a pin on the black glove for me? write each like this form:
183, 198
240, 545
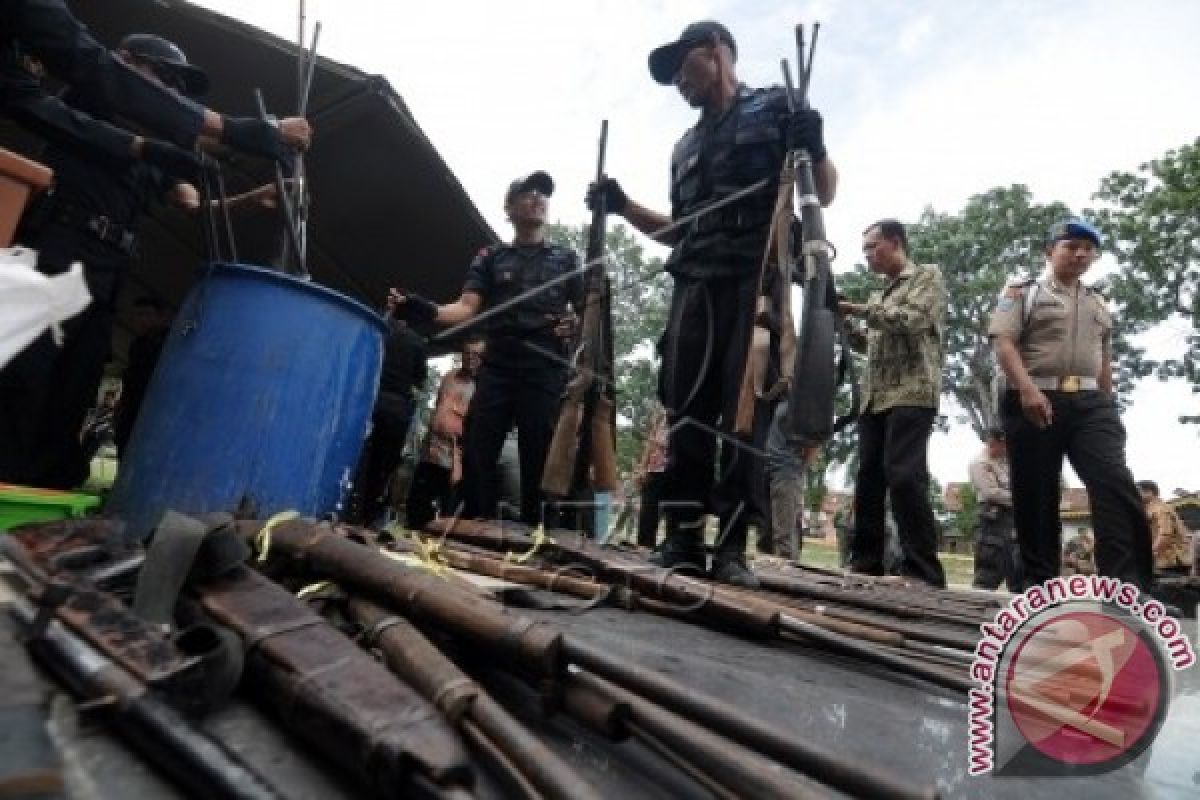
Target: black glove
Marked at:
173, 161
416, 310
258, 137
607, 191
805, 130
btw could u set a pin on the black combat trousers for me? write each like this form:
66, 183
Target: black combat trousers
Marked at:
1087, 429
529, 396
704, 354
997, 557
430, 484
892, 447
382, 452
650, 509
46, 391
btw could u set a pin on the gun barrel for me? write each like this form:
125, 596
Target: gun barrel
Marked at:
197, 763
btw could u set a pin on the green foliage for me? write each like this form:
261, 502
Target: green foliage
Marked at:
998, 235
1151, 220
966, 518
936, 497
815, 486
640, 296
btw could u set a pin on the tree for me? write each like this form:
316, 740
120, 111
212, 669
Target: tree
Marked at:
966, 518
640, 296
999, 235
1153, 227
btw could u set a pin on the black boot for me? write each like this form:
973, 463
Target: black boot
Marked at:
729, 564
682, 546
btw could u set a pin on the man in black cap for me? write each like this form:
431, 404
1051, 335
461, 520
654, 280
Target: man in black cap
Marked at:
719, 238
531, 290
1053, 340
997, 557
46, 30
89, 216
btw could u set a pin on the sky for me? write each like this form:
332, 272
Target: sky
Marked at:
926, 102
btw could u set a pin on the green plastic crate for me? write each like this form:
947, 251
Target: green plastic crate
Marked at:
20, 505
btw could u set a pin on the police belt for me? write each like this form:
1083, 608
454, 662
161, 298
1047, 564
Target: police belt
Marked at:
1070, 383
732, 218
111, 233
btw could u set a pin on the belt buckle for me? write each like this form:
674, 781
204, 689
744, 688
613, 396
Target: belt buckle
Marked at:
1069, 384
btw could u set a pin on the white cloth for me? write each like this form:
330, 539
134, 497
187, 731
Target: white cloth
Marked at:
31, 302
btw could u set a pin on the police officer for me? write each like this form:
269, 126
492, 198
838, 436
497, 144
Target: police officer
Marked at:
524, 363
741, 138
997, 558
1053, 340
90, 216
46, 30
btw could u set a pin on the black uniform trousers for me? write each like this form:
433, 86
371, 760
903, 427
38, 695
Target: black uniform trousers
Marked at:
650, 509
529, 395
997, 556
704, 355
46, 391
1087, 429
430, 483
383, 452
892, 447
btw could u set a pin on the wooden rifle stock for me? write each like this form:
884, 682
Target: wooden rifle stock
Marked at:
584, 437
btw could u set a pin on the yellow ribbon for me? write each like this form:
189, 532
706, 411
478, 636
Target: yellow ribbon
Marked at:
539, 538
262, 541
428, 551
313, 588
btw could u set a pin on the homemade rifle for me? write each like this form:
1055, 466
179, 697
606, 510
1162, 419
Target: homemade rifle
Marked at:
585, 436
810, 416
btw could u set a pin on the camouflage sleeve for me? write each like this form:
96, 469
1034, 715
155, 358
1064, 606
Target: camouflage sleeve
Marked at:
1007, 318
921, 309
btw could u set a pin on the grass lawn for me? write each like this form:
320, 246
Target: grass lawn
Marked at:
959, 568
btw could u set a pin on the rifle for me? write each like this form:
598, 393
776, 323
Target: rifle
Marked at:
123, 669
810, 417
585, 436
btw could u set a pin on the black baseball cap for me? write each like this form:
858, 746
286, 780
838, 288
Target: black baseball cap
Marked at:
168, 62
541, 181
666, 60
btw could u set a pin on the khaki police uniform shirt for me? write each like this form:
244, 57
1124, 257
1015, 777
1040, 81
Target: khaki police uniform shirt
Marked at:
905, 323
989, 476
1068, 331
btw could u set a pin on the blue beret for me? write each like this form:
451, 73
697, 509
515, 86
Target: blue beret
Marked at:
1074, 228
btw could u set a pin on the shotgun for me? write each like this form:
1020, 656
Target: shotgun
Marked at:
584, 443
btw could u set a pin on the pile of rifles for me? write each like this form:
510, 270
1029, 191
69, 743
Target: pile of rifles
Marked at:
399, 659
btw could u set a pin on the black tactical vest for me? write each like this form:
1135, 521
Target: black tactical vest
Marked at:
716, 159
516, 270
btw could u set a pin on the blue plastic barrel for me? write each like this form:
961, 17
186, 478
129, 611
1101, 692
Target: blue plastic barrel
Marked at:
261, 401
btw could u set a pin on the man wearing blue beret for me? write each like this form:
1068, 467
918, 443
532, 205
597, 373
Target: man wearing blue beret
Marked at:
1053, 340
